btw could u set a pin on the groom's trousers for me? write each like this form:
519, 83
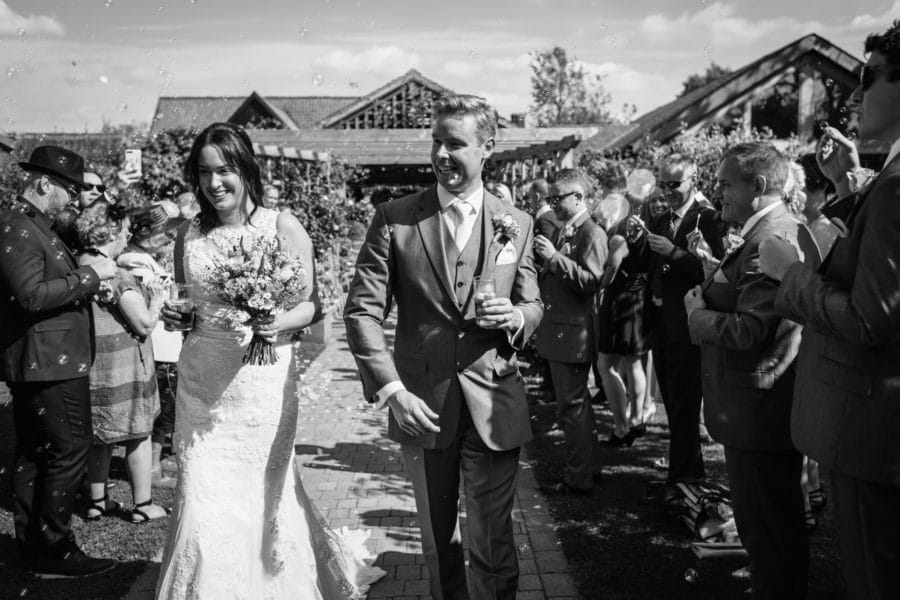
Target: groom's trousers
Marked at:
489, 484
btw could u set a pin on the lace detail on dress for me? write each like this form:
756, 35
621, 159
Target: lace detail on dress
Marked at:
242, 526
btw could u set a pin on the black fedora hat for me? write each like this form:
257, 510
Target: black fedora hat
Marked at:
56, 161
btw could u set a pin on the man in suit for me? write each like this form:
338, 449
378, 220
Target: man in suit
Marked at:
846, 412
545, 221
671, 272
570, 277
456, 400
46, 347
747, 402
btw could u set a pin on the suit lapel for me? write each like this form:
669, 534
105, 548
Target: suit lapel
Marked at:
429, 224
490, 207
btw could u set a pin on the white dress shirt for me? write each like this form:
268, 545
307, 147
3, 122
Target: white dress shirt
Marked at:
756, 217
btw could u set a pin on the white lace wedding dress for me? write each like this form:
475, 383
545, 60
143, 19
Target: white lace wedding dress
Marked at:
242, 526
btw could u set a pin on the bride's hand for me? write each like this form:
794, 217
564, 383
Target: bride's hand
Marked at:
268, 331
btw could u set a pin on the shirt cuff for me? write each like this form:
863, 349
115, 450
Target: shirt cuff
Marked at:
512, 335
382, 395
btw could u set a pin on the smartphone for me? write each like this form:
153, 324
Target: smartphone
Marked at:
133, 161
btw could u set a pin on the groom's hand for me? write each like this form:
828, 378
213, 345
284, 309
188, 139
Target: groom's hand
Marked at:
412, 413
498, 313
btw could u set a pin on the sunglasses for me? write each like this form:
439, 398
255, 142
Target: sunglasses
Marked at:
97, 187
554, 200
671, 185
869, 74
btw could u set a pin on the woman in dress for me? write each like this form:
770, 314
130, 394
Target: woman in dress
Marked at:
124, 398
622, 342
242, 525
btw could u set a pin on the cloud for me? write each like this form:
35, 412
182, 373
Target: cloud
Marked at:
465, 69
719, 24
389, 60
871, 22
13, 23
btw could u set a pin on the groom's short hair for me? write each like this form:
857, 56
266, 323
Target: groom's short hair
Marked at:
458, 105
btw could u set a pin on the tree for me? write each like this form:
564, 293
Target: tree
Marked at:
714, 72
564, 93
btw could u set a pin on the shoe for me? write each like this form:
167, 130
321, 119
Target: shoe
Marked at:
555, 433
169, 465
639, 430
598, 398
72, 564
614, 441
147, 511
101, 507
817, 499
564, 489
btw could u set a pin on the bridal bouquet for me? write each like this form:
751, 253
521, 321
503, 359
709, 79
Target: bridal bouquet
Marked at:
258, 277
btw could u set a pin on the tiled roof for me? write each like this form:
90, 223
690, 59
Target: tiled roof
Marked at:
665, 122
196, 112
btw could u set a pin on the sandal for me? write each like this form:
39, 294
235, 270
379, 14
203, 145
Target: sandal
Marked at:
101, 507
817, 499
138, 515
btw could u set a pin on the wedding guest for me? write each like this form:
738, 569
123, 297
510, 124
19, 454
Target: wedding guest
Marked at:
570, 277
45, 356
845, 413
623, 341
457, 406
545, 221
124, 397
818, 189
93, 190
661, 251
746, 400
501, 191
151, 246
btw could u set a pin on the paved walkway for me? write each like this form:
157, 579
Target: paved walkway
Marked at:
356, 477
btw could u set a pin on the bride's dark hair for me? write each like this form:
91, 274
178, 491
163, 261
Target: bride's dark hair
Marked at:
237, 151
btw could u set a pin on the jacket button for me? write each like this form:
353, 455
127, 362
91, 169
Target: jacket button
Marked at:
460, 263
559, 335
459, 284
460, 334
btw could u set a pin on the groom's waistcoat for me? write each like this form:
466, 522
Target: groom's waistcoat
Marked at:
461, 266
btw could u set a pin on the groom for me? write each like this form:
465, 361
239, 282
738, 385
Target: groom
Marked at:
457, 403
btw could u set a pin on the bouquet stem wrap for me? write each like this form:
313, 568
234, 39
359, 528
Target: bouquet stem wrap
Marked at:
260, 351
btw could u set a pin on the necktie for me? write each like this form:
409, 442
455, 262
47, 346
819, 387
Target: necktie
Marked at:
673, 225
458, 212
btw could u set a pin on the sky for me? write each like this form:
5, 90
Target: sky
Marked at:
71, 65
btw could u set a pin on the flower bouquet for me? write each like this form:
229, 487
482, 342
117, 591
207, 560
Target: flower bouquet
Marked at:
259, 277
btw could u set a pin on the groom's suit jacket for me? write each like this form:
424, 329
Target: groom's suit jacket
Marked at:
847, 398
440, 354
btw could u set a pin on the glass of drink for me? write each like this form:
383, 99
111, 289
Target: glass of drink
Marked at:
181, 302
484, 290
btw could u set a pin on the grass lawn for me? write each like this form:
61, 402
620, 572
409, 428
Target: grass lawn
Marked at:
131, 545
620, 546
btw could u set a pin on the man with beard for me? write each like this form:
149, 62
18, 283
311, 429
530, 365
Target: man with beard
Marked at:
671, 272
46, 350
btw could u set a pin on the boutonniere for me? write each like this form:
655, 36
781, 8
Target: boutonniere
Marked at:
732, 242
505, 230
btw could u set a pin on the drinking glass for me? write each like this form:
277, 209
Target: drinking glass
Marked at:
180, 300
484, 290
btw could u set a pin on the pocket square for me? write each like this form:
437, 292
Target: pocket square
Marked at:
508, 255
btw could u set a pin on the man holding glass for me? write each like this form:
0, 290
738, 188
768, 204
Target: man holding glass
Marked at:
46, 353
572, 267
457, 403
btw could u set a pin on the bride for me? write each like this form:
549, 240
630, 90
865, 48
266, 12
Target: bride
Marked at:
242, 526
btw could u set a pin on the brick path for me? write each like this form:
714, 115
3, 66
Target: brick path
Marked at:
355, 476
